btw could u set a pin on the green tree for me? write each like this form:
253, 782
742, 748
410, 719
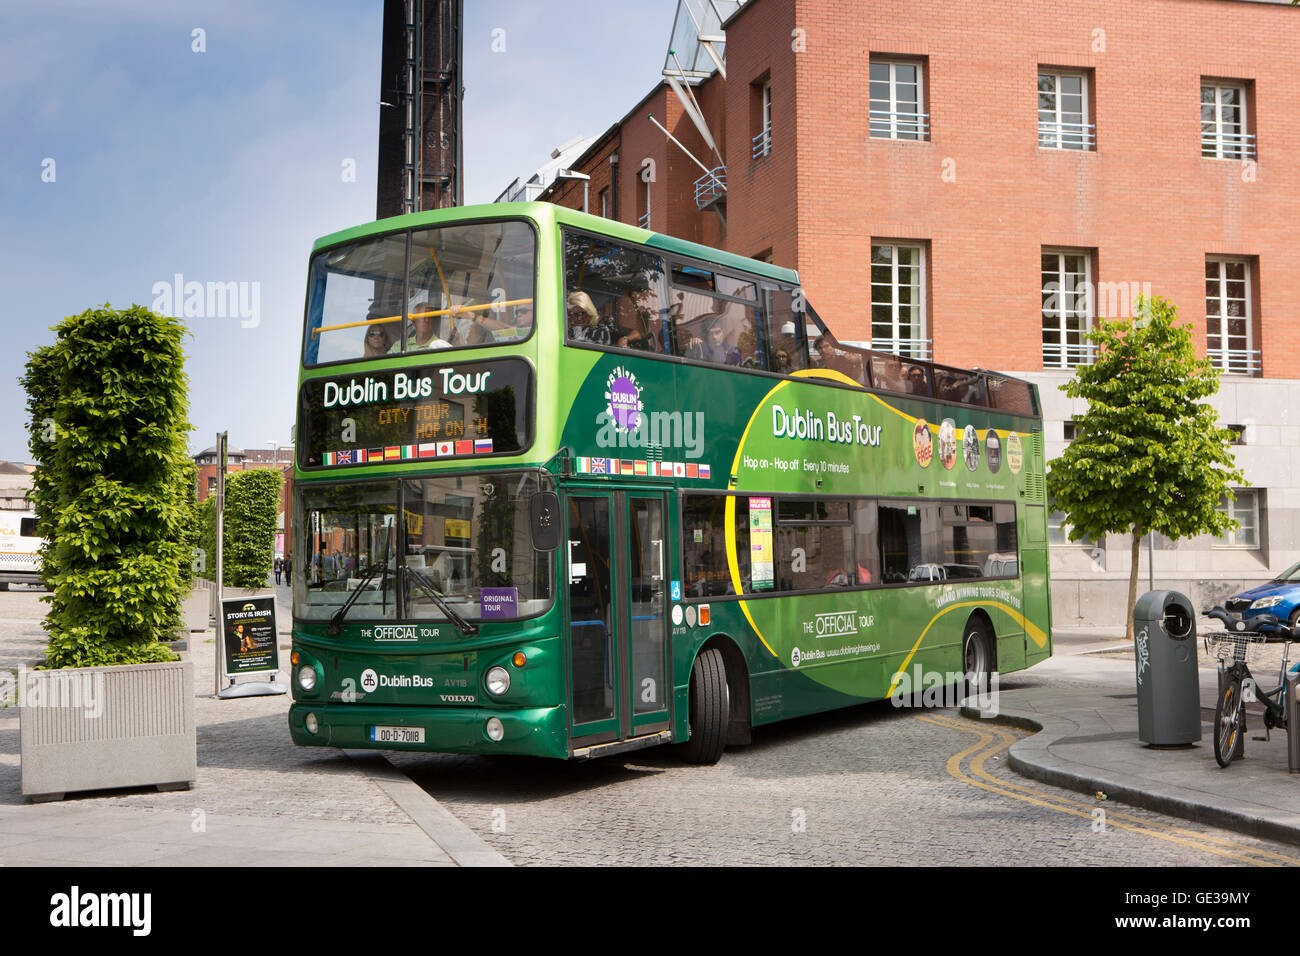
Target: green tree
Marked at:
252, 512
109, 425
1148, 454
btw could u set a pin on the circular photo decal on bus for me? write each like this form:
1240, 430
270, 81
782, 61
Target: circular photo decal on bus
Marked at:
970, 447
1015, 453
993, 451
923, 443
948, 443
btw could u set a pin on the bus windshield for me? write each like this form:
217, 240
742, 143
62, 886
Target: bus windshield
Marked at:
468, 286
467, 539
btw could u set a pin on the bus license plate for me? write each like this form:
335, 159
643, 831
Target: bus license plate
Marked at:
397, 735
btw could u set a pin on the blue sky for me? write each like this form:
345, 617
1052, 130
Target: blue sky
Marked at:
224, 166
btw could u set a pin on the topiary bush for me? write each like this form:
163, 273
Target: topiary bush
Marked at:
252, 513
109, 428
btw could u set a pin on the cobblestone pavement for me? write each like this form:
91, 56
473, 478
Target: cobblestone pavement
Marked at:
257, 792
22, 639
870, 785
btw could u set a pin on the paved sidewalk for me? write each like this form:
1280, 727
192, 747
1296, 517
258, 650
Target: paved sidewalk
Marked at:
258, 799
1087, 740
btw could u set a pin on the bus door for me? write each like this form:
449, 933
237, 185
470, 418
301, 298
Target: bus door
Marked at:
617, 622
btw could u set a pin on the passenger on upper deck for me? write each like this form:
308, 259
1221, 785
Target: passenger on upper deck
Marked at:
377, 342
581, 315
836, 359
713, 347
423, 336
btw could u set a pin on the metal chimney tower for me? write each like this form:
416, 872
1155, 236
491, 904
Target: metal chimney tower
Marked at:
420, 152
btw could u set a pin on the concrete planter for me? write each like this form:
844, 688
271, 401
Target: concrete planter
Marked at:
196, 609
92, 728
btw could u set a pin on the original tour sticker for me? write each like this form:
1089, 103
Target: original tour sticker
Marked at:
923, 443
1015, 453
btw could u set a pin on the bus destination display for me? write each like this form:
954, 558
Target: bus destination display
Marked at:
415, 413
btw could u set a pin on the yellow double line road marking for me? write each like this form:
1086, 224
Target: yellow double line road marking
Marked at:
994, 740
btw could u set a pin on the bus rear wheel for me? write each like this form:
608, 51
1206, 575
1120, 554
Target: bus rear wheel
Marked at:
976, 659
709, 708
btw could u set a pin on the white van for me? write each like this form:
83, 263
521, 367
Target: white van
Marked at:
20, 560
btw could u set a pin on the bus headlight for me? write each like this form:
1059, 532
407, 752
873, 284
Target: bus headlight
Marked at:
495, 729
307, 678
311, 723
498, 681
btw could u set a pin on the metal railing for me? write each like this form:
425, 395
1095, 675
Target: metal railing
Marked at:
910, 348
1236, 361
711, 187
1068, 356
762, 143
894, 125
1067, 135
1228, 145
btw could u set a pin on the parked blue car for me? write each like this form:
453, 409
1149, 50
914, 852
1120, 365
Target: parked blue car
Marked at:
1279, 597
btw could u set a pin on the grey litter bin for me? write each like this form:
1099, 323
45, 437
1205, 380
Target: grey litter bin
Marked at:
1169, 694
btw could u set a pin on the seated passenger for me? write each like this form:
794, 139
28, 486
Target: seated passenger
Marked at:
713, 347
422, 335
378, 341
581, 315
836, 359
837, 579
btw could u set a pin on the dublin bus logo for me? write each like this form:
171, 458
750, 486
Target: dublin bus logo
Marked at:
623, 399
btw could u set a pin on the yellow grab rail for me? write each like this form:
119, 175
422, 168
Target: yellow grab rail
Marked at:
456, 309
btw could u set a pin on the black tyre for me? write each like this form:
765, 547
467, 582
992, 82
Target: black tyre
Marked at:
710, 706
1229, 722
976, 659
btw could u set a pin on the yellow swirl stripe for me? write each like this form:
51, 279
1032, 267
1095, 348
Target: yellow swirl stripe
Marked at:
1035, 632
733, 562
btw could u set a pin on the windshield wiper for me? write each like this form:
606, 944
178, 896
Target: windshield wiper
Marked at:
335, 626
427, 587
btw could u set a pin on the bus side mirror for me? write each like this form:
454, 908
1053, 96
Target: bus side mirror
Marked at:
546, 521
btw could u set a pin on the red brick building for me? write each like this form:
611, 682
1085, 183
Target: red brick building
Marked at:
237, 459
978, 183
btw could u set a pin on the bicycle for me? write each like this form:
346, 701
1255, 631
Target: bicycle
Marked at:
1234, 649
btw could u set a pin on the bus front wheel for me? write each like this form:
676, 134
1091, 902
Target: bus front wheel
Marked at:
709, 708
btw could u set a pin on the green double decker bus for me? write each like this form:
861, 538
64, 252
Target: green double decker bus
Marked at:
565, 487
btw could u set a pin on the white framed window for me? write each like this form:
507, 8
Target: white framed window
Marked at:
1229, 339
1245, 508
898, 299
1223, 122
1067, 307
1063, 111
897, 96
763, 140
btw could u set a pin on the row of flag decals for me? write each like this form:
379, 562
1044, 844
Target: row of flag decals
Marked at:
440, 449
651, 469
